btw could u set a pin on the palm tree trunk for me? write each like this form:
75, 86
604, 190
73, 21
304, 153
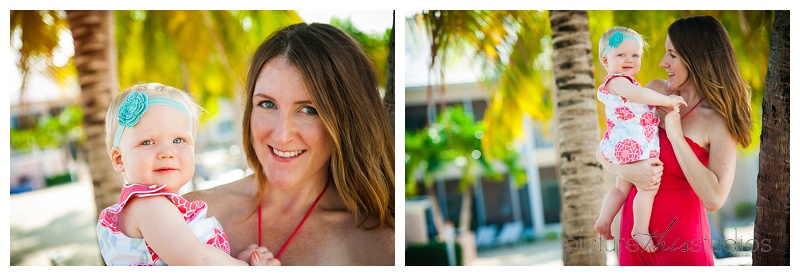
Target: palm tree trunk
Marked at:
95, 59
579, 174
388, 98
465, 215
436, 210
771, 246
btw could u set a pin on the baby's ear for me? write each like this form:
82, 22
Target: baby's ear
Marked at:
116, 160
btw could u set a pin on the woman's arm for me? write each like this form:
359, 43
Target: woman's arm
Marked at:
711, 184
166, 232
645, 174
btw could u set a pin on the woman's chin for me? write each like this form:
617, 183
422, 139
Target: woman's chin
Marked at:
279, 180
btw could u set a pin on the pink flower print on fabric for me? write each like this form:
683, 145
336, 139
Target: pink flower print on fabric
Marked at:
627, 151
609, 128
189, 209
649, 132
604, 157
623, 113
654, 154
649, 123
153, 256
220, 240
110, 220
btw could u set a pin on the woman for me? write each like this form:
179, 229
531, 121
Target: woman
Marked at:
698, 142
320, 144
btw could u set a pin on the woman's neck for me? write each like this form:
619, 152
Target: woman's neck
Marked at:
690, 96
295, 195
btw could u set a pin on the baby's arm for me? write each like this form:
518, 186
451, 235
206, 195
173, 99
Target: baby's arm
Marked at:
625, 88
258, 256
166, 232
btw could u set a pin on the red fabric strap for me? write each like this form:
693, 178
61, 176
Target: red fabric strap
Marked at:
690, 110
277, 256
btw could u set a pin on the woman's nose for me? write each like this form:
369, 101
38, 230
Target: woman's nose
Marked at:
663, 63
284, 129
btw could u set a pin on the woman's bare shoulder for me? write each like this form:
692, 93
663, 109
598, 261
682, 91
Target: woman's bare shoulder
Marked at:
376, 246
235, 189
658, 85
361, 246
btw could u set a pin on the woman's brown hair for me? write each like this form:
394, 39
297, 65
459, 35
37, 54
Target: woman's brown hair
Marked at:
342, 85
703, 45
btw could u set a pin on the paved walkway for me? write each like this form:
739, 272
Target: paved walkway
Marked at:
543, 253
56, 223
549, 253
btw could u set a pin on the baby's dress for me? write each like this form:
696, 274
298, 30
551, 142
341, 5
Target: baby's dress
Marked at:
119, 249
631, 127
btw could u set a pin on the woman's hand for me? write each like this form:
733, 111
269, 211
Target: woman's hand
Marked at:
645, 174
672, 124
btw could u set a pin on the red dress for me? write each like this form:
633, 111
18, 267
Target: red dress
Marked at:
678, 224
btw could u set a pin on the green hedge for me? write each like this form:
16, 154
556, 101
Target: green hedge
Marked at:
58, 179
431, 254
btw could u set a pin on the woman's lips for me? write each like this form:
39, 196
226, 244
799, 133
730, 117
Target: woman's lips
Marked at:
286, 154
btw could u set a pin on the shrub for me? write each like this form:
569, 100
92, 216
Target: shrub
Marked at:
431, 254
58, 179
744, 209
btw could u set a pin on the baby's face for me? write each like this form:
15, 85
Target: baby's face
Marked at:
158, 150
626, 58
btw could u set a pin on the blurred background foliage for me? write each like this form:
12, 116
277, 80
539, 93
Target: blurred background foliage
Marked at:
202, 52
514, 50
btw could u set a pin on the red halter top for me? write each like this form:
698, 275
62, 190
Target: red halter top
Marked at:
277, 256
690, 110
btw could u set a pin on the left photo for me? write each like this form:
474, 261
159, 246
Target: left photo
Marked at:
158, 137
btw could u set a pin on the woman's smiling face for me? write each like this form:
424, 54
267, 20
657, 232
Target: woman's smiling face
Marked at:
677, 75
289, 137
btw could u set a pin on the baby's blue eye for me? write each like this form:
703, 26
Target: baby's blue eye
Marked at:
147, 142
178, 140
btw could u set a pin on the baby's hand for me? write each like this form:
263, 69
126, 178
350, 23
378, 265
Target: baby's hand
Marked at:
676, 100
258, 256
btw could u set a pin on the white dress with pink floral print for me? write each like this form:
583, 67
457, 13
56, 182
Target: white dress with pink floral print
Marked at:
119, 249
631, 127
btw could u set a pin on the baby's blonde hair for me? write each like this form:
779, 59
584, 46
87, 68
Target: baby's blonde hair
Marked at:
152, 90
603, 44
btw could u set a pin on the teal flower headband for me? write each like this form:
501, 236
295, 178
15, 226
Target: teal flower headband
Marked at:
615, 39
134, 106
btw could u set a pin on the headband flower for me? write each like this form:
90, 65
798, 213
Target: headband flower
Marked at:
132, 108
615, 39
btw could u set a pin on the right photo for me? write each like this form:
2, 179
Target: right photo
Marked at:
596, 138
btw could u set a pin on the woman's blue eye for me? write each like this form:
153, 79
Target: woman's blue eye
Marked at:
309, 110
178, 140
266, 104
